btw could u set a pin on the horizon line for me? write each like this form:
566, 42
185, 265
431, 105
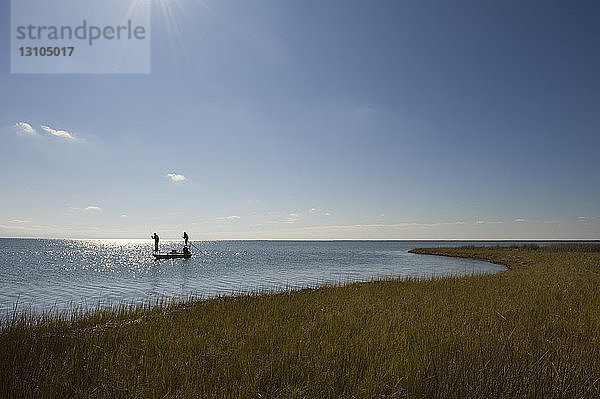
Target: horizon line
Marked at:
331, 239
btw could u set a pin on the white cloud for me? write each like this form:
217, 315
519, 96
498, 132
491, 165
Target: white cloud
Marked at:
58, 133
489, 222
586, 219
292, 218
176, 177
24, 129
229, 218
519, 220
20, 221
93, 208
123, 215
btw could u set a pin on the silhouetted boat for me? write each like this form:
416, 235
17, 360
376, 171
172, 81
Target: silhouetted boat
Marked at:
172, 255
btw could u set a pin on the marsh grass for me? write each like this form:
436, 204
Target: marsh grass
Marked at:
532, 331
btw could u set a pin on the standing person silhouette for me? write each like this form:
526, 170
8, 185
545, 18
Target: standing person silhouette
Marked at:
156, 239
186, 238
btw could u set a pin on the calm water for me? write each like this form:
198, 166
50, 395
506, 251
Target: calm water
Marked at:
51, 275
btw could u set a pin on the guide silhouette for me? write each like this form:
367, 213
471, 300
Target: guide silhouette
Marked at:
156, 239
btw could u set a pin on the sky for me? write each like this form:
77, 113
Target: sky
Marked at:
317, 120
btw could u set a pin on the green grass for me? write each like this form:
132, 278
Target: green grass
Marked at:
532, 331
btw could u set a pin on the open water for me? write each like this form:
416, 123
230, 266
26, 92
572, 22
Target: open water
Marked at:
40, 275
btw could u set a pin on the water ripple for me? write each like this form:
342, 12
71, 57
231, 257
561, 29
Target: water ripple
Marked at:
61, 274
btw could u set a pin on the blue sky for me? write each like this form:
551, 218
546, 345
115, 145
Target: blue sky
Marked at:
318, 120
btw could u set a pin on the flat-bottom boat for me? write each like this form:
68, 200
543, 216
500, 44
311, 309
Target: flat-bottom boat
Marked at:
172, 255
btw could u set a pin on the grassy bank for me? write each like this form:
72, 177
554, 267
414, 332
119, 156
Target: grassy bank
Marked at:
532, 331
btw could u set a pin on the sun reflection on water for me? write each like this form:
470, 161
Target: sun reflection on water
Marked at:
43, 274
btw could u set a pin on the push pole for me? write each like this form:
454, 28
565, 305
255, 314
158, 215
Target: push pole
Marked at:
192, 244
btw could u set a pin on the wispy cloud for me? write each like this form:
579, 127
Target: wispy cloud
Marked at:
123, 216
519, 220
376, 226
229, 218
57, 133
20, 221
586, 219
177, 178
488, 222
92, 208
292, 218
24, 129
364, 110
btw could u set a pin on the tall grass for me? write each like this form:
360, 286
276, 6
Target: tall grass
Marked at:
533, 331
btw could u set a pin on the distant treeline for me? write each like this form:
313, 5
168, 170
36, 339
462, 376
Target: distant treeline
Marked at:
561, 247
